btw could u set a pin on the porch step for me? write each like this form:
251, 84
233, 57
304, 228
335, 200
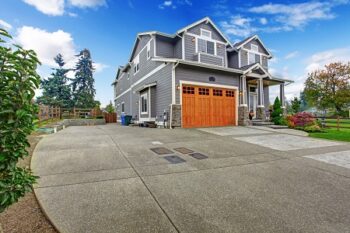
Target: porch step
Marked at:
261, 123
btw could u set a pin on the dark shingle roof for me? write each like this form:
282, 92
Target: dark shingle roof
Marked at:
243, 41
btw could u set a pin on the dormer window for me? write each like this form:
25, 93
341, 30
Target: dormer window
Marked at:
205, 33
136, 64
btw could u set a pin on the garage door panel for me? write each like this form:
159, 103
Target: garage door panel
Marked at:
206, 107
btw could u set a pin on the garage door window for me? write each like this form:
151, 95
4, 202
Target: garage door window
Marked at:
188, 90
217, 92
230, 93
203, 91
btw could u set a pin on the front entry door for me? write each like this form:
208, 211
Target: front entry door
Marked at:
253, 99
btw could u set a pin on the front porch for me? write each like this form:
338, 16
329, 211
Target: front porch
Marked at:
254, 94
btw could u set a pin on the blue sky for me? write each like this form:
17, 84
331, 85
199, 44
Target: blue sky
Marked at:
302, 35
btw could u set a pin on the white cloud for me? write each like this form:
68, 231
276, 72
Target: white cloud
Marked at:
291, 55
238, 26
99, 67
263, 21
87, 3
71, 14
57, 7
167, 4
299, 14
5, 25
319, 60
49, 7
47, 44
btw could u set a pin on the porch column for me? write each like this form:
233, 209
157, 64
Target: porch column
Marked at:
243, 107
282, 98
260, 111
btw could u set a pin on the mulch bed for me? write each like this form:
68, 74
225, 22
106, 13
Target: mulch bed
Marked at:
25, 216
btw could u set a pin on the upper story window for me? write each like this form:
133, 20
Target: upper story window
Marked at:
206, 46
254, 48
148, 50
205, 33
136, 64
123, 107
253, 58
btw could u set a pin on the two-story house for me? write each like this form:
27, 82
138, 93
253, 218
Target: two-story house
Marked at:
197, 77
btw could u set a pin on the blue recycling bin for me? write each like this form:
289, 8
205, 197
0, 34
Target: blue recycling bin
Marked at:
123, 119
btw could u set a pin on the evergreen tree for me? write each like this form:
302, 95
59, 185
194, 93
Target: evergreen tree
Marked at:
83, 84
56, 91
295, 105
303, 102
276, 114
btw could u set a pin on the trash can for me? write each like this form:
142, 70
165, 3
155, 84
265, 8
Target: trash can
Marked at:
122, 117
127, 119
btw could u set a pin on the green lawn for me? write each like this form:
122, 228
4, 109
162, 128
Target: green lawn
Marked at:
333, 134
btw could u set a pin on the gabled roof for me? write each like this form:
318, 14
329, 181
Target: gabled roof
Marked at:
207, 20
247, 40
249, 68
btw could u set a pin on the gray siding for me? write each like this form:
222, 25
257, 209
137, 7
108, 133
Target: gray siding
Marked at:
221, 51
188, 73
232, 60
244, 58
142, 42
164, 48
211, 59
256, 42
214, 33
178, 49
190, 48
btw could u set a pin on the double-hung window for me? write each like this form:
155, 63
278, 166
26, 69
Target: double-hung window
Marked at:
136, 64
144, 104
254, 56
206, 46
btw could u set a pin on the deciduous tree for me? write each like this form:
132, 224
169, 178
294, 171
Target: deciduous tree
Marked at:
330, 87
18, 81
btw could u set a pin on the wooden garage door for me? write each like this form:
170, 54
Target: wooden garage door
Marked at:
208, 106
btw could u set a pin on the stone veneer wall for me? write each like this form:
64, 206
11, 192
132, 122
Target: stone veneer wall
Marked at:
176, 115
243, 118
82, 122
260, 113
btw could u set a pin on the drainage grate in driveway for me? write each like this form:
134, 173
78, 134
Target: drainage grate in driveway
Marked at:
183, 150
198, 156
174, 159
161, 151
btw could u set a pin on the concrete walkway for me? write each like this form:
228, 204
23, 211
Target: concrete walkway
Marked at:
106, 179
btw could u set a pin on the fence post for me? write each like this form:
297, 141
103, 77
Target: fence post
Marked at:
338, 122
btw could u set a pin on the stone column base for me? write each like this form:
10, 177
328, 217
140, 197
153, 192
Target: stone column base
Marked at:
260, 113
243, 118
175, 117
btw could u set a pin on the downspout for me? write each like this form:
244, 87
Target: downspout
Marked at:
173, 92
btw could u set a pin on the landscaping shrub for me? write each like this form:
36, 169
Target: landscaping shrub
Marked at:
304, 121
277, 111
312, 128
18, 81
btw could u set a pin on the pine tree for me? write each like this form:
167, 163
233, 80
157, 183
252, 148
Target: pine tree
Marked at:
56, 91
277, 112
83, 84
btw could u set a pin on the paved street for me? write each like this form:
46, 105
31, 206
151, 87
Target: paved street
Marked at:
231, 179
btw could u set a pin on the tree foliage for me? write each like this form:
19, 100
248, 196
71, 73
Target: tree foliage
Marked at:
295, 105
83, 84
110, 108
276, 114
18, 81
56, 91
330, 87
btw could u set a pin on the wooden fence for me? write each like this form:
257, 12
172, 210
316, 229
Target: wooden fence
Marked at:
338, 122
47, 113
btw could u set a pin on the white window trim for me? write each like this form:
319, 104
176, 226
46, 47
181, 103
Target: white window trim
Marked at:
204, 30
148, 52
249, 52
121, 107
136, 62
204, 38
141, 103
256, 48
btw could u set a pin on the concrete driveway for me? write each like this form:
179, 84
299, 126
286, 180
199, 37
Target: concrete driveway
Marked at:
107, 179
